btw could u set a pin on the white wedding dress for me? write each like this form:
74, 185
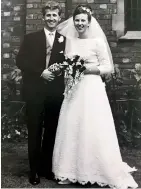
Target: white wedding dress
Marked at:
86, 146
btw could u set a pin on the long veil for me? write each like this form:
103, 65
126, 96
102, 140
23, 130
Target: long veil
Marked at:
67, 29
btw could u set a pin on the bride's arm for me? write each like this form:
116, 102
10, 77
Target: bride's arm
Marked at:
103, 56
105, 66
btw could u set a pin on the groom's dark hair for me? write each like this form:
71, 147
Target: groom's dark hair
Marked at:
52, 5
82, 9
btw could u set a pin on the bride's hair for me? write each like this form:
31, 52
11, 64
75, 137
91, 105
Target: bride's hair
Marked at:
83, 9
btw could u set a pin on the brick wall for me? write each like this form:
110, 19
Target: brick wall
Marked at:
34, 16
21, 16
13, 28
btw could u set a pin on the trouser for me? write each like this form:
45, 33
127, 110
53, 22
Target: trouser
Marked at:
44, 114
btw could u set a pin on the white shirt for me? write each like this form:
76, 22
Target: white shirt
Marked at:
49, 43
50, 36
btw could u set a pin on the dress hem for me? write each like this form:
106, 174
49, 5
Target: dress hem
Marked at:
73, 180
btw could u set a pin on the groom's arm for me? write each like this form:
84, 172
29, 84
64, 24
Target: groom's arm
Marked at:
23, 59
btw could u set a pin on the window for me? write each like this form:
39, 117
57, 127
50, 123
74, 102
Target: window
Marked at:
127, 21
132, 15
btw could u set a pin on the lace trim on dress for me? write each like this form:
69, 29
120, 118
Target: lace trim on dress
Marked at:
74, 180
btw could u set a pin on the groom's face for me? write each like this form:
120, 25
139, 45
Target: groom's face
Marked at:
51, 19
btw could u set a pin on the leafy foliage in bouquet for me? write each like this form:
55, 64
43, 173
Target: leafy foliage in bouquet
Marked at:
72, 69
77, 65
73, 72
70, 64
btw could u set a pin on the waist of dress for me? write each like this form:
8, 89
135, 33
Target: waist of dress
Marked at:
92, 77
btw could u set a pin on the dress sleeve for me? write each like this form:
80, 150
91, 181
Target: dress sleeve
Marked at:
105, 66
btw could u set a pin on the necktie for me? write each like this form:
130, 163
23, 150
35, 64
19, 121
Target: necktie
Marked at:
51, 36
48, 53
49, 47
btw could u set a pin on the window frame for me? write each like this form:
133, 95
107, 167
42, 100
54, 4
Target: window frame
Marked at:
119, 24
129, 26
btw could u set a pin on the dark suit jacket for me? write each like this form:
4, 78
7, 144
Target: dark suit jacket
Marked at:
31, 59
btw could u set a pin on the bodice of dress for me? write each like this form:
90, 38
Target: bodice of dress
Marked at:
82, 47
92, 50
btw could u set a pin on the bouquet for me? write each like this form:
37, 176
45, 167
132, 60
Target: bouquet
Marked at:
72, 68
56, 69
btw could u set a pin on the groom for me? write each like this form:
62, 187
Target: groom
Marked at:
42, 90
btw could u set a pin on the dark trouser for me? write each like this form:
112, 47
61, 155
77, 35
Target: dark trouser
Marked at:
46, 112
34, 124
52, 110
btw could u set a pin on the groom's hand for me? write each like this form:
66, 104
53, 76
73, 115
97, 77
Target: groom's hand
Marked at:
47, 75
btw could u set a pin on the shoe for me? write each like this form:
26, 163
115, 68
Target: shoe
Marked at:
34, 179
64, 182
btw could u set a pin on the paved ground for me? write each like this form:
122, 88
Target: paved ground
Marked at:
15, 166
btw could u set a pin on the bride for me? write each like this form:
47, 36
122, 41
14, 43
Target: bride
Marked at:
86, 146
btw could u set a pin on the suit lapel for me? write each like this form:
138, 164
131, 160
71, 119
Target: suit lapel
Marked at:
54, 48
42, 45
42, 39
57, 35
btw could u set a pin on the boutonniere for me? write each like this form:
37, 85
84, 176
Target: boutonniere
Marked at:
61, 39
61, 52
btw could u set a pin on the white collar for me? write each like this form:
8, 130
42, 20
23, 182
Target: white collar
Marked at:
47, 32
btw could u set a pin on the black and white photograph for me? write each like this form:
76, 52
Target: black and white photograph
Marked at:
71, 94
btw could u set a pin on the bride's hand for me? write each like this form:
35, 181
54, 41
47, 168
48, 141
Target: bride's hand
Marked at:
91, 69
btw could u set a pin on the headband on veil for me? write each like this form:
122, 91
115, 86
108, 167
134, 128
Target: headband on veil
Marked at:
67, 29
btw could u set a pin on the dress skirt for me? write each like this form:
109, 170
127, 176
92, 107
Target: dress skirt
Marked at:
86, 146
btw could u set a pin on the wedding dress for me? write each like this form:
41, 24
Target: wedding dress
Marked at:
86, 146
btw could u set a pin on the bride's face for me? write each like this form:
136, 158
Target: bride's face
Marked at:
81, 23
